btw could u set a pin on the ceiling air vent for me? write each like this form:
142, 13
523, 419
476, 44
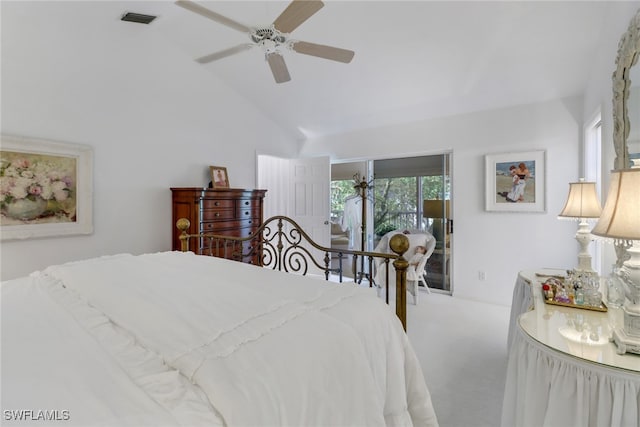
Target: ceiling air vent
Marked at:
137, 17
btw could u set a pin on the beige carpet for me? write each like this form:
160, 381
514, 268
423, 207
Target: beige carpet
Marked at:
462, 348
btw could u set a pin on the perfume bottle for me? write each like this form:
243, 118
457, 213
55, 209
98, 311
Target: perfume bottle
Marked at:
615, 289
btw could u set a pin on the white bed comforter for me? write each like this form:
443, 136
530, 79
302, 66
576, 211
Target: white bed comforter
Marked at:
259, 347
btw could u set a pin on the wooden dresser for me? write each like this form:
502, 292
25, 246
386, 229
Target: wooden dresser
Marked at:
227, 212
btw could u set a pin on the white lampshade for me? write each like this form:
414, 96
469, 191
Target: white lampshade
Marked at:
436, 209
582, 201
620, 217
620, 220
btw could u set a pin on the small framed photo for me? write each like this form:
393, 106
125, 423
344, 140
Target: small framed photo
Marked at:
219, 177
515, 182
46, 188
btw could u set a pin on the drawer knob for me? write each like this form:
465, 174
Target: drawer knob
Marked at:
246, 203
250, 221
246, 212
217, 214
216, 204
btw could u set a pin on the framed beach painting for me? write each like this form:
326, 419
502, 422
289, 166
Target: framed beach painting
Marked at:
515, 182
45, 188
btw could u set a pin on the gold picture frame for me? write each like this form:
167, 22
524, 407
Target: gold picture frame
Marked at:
219, 177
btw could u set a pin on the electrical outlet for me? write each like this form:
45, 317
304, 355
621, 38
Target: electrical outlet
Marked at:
481, 275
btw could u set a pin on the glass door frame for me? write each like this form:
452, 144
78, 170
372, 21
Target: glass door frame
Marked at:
447, 251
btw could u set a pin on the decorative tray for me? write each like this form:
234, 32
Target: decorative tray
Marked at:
601, 307
558, 291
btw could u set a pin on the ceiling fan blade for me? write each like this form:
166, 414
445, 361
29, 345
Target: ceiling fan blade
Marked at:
200, 10
295, 14
278, 67
322, 51
224, 53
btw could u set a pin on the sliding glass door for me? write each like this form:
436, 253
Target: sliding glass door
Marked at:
413, 194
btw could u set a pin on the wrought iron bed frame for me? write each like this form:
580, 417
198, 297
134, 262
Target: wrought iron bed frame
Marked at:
279, 244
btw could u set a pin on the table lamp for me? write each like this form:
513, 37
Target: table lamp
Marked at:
440, 212
620, 220
582, 203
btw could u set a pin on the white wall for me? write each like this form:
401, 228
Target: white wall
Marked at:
499, 244
150, 128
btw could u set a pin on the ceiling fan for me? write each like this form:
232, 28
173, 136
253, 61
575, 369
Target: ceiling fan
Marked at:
274, 37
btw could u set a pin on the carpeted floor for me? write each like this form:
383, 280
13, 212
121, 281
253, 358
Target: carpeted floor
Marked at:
462, 347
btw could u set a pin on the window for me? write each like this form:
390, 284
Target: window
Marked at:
593, 152
396, 204
401, 186
593, 173
340, 191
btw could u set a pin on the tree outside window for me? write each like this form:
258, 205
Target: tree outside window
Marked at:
397, 205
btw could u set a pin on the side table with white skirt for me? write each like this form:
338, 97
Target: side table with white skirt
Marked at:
564, 371
522, 300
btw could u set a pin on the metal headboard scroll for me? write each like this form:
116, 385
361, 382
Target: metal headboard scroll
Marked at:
281, 244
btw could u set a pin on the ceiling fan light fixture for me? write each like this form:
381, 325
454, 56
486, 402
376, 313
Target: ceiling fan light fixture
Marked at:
269, 46
267, 33
274, 37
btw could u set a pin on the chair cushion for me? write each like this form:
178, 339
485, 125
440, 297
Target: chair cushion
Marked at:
339, 240
415, 239
336, 229
423, 239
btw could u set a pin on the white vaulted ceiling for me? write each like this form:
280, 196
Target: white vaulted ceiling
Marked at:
413, 60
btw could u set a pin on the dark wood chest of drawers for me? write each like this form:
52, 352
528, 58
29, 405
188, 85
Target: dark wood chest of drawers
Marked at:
226, 212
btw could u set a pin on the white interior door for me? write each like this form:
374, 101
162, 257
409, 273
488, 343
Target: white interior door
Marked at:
299, 189
273, 176
309, 197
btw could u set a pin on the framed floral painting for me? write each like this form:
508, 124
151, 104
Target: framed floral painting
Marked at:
45, 188
515, 182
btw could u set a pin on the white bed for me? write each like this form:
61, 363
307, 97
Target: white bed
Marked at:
175, 338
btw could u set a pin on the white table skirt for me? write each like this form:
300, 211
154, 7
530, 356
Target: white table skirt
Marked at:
522, 299
521, 302
546, 387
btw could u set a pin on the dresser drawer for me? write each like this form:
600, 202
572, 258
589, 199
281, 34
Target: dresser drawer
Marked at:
218, 204
218, 214
247, 231
218, 227
248, 251
250, 212
247, 203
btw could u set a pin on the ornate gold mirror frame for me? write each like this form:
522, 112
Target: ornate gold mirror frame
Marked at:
628, 54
